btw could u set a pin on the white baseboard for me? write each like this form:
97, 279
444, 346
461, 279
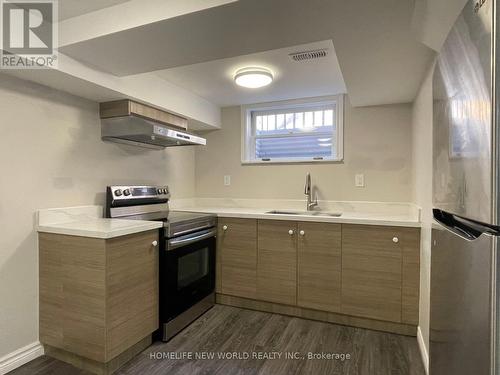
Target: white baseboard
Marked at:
423, 350
20, 357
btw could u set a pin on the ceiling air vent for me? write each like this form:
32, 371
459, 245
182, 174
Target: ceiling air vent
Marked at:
309, 55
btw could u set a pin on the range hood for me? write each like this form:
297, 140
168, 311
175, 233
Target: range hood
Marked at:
133, 123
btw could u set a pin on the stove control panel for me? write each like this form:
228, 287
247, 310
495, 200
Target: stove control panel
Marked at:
139, 192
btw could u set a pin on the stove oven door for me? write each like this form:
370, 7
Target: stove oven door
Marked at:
188, 272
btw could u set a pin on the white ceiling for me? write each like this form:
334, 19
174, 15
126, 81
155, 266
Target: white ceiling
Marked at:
213, 80
73, 8
381, 60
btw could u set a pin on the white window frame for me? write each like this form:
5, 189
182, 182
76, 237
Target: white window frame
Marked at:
248, 137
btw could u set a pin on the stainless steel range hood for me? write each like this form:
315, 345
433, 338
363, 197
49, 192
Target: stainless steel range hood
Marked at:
136, 124
138, 131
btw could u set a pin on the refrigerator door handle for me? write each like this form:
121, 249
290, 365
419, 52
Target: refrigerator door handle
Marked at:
465, 228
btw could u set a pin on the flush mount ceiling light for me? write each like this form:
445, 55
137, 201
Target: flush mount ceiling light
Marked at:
253, 77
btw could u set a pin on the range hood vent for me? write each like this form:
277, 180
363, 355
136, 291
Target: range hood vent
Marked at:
133, 123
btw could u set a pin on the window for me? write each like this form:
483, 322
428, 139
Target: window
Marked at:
293, 131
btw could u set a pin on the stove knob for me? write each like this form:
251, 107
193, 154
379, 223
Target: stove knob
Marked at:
118, 193
165, 191
126, 192
159, 191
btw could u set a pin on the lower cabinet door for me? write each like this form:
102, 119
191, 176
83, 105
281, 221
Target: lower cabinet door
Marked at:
319, 266
371, 272
237, 257
131, 290
277, 261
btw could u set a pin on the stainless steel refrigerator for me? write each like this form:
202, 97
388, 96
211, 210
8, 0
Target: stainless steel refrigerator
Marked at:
463, 337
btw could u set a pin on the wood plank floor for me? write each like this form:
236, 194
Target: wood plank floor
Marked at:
228, 329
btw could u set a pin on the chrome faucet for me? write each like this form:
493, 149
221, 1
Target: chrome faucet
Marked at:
310, 204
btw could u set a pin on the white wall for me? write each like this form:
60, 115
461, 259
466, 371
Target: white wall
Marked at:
377, 142
422, 191
51, 155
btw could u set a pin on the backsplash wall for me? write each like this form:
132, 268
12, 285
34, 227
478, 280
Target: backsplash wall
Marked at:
377, 143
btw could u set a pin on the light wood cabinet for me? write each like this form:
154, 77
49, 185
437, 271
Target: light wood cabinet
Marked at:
277, 261
365, 275
98, 298
237, 257
126, 107
319, 266
132, 298
380, 272
410, 246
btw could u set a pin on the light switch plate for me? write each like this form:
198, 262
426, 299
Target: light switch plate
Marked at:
227, 180
359, 180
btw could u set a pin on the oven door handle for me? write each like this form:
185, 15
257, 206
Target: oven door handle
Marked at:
186, 240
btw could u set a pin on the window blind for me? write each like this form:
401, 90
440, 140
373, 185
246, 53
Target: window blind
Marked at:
296, 133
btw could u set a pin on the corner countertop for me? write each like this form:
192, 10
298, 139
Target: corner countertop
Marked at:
368, 213
87, 221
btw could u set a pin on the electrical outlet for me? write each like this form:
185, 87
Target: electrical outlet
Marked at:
227, 180
359, 180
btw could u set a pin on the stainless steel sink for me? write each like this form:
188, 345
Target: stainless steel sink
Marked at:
332, 214
278, 212
306, 213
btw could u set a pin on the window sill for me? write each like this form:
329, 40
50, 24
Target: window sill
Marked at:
289, 161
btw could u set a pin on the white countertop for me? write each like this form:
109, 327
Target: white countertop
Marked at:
100, 228
369, 213
346, 218
87, 221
